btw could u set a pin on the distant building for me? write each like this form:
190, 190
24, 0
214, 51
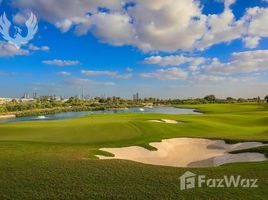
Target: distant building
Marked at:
34, 95
136, 97
26, 96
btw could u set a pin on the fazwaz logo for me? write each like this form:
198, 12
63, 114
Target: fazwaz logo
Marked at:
18, 40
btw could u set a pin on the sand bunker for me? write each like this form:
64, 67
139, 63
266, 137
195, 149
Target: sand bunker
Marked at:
7, 116
188, 152
168, 121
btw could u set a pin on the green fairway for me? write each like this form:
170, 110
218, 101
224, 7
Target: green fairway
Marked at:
55, 159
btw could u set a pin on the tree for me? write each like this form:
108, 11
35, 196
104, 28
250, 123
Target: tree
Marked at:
258, 100
266, 98
210, 98
14, 101
230, 99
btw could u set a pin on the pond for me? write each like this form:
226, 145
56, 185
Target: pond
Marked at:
68, 115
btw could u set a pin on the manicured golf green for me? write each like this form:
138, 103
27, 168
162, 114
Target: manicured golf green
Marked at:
55, 159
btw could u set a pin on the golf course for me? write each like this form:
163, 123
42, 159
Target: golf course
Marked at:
58, 159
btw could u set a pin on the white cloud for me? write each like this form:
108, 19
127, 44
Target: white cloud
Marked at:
106, 73
251, 42
36, 48
61, 63
167, 74
174, 60
228, 3
21, 17
200, 69
212, 78
66, 13
129, 69
153, 25
107, 84
222, 28
241, 62
167, 25
87, 82
168, 60
9, 50
258, 21
114, 28
193, 63
149, 25
63, 73
78, 81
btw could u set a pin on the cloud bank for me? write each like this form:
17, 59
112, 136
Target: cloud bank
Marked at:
152, 25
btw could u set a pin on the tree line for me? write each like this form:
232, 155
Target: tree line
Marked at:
98, 103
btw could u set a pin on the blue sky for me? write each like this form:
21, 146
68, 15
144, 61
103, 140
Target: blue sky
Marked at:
160, 48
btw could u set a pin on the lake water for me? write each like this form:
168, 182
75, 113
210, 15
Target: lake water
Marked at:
68, 115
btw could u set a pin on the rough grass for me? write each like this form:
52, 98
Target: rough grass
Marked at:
55, 159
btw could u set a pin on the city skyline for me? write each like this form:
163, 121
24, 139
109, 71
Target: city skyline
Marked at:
162, 49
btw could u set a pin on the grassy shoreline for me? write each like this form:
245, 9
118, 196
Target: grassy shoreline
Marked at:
47, 111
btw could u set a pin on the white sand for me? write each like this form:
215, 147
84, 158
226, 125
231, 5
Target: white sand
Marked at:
235, 158
7, 116
157, 121
168, 121
187, 152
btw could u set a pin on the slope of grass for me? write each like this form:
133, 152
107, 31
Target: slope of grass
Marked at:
55, 159
125, 129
